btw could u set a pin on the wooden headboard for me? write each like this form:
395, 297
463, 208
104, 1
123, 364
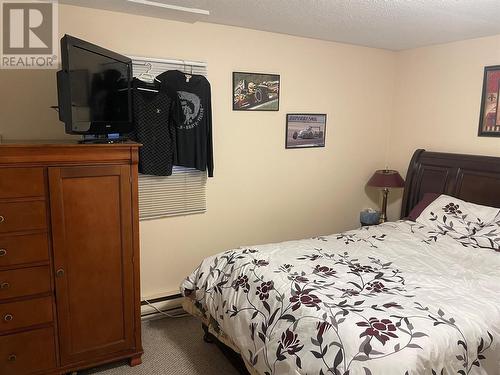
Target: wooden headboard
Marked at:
472, 178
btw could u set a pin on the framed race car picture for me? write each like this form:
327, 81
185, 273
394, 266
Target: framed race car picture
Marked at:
305, 130
256, 92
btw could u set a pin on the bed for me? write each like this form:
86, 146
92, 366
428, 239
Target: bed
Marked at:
398, 298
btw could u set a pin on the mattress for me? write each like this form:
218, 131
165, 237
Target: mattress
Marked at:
397, 298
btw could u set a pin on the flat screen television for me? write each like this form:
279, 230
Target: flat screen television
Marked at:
94, 89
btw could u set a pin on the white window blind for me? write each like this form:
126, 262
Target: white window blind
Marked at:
184, 192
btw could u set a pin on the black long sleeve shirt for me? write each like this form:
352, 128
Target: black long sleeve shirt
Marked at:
153, 113
193, 125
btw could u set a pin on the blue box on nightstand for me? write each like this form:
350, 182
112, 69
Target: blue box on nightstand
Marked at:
369, 217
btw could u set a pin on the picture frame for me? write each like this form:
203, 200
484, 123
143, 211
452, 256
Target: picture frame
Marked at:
489, 119
305, 130
256, 91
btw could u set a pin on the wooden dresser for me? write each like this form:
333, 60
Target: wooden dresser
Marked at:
69, 257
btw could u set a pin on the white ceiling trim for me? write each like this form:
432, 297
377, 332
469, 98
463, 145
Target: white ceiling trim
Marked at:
171, 7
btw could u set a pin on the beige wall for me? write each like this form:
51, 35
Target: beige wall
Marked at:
437, 101
261, 191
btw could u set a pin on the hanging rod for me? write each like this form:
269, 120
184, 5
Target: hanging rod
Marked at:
167, 61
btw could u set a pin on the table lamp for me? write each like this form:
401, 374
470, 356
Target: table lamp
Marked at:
385, 179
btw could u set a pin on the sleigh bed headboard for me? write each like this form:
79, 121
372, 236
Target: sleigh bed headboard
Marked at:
472, 178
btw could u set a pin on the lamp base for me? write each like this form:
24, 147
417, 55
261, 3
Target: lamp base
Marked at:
383, 213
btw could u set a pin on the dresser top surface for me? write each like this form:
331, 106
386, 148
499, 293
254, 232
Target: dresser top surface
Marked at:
45, 152
62, 143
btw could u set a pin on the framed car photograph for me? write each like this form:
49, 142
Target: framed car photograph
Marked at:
256, 92
305, 130
489, 120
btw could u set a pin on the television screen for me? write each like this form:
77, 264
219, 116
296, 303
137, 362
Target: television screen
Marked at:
94, 89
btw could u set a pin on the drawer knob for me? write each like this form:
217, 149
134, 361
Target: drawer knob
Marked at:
3, 252
4, 286
2, 219
60, 272
8, 317
12, 357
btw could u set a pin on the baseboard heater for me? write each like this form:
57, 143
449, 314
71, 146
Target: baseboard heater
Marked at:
152, 307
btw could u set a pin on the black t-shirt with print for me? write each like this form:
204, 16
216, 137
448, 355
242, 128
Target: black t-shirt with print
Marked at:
153, 127
194, 123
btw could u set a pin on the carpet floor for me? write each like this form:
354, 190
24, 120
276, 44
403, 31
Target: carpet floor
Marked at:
172, 347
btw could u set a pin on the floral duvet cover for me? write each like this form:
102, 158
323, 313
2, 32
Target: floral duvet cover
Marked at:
399, 298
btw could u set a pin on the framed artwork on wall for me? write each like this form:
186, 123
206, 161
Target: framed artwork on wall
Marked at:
256, 92
305, 130
489, 121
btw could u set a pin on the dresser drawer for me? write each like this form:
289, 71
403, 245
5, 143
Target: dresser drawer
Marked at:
27, 352
21, 182
24, 282
24, 314
22, 249
19, 216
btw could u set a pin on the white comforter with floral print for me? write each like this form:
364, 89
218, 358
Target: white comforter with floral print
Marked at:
398, 298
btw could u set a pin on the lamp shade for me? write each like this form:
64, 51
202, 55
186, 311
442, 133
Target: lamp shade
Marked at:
386, 178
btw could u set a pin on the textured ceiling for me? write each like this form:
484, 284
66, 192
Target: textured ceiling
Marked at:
390, 24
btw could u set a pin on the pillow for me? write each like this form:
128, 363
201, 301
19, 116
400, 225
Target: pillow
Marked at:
457, 217
426, 200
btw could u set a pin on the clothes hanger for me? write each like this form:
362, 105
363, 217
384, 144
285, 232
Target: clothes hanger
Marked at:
147, 76
150, 78
188, 76
145, 89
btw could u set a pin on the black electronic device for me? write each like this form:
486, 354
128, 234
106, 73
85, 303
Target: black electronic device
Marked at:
94, 90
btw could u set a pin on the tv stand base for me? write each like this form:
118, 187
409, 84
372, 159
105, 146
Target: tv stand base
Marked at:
102, 139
